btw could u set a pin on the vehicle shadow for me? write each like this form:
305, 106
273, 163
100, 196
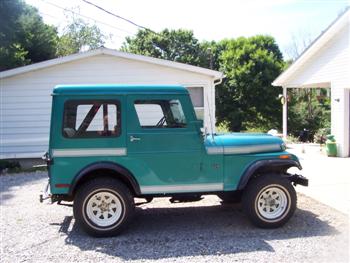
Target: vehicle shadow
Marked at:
157, 233
10, 181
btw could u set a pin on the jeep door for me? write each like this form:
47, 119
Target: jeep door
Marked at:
165, 145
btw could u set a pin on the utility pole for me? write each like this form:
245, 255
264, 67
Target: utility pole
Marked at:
210, 53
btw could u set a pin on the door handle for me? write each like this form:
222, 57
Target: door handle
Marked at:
132, 138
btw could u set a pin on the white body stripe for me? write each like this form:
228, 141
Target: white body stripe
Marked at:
88, 152
215, 150
181, 188
252, 148
243, 149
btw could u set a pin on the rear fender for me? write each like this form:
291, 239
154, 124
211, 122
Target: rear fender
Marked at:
117, 171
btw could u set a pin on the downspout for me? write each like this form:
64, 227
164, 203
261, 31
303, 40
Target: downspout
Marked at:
215, 83
285, 113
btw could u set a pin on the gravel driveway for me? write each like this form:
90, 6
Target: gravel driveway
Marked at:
204, 231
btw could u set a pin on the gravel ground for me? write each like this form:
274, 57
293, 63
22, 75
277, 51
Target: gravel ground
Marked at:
204, 231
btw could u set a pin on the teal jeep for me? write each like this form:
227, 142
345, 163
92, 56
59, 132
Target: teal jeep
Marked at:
112, 143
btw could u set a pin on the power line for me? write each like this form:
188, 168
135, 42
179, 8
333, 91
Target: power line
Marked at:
98, 21
120, 17
129, 21
54, 17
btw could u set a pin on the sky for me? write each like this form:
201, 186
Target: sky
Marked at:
287, 21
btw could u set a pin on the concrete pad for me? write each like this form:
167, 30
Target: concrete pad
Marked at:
329, 177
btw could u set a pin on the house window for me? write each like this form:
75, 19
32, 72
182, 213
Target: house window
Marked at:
91, 119
160, 114
197, 97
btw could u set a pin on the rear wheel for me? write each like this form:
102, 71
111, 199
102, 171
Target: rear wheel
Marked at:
103, 207
269, 200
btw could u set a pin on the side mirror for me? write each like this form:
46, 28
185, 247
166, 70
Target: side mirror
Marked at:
199, 126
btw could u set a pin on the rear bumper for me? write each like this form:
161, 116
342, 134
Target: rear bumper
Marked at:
46, 193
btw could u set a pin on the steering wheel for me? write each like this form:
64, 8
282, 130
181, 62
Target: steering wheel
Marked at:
160, 122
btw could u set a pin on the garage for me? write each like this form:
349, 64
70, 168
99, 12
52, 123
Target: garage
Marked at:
26, 91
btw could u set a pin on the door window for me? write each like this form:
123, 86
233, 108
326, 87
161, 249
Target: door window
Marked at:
160, 114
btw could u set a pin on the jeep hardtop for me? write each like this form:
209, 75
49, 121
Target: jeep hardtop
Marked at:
112, 143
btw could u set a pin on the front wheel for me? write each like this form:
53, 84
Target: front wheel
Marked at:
269, 200
103, 207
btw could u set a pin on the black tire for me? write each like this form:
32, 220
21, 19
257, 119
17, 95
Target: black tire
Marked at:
269, 200
90, 208
230, 198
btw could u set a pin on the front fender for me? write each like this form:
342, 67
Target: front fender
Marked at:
275, 165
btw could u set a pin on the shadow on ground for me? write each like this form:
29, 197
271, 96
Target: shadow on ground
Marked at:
10, 181
157, 233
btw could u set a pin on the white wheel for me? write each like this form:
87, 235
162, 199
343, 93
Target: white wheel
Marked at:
272, 202
269, 200
104, 208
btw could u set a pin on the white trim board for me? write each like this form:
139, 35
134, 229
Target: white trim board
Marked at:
105, 51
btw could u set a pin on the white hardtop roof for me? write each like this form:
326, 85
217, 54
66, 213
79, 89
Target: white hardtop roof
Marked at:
105, 51
337, 25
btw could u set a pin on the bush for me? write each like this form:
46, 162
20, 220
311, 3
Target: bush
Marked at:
10, 165
320, 135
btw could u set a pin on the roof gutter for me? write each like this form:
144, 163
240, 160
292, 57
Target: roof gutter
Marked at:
218, 81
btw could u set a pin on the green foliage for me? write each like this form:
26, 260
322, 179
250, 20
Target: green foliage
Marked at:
6, 165
79, 35
175, 45
246, 99
310, 111
320, 135
24, 37
222, 128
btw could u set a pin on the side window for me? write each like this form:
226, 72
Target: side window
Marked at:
91, 119
160, 114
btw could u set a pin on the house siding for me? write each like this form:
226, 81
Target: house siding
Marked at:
330, 66
331, 63
26, 98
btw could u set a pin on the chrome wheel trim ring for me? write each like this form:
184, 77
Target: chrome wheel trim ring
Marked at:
272, 203
103, 215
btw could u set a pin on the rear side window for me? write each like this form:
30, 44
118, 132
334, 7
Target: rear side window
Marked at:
91, 119
160, 114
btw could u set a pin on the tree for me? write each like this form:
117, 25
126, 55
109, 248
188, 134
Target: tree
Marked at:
175, 45
308, 109
78, 36
246, 99
298, 43
24, 37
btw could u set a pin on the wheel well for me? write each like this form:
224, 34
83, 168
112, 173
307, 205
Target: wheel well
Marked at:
270, 169
104, 172
266, 166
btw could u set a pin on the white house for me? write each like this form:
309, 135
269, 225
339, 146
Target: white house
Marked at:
25, 92
326, 63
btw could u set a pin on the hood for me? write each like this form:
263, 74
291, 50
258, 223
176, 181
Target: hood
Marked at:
244, 143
